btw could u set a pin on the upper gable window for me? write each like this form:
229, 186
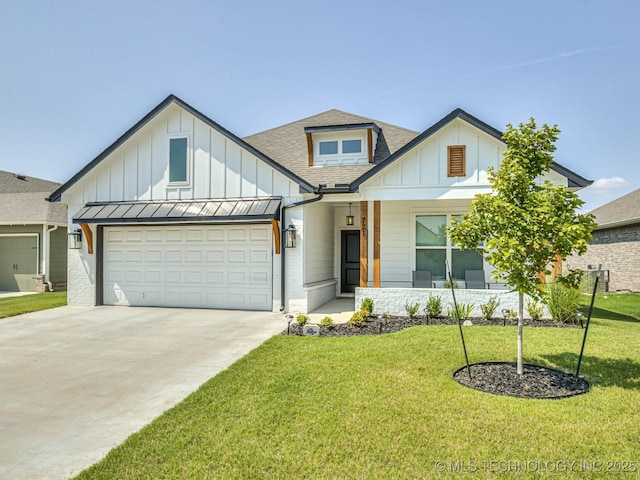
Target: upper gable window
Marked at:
352, 146
328, 148
338, 145
178, 159
343, 147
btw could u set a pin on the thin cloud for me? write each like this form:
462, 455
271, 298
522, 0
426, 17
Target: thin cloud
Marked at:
551, 58
603, 190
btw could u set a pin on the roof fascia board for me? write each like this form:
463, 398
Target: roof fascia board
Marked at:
574, 180
24, 224
57, 194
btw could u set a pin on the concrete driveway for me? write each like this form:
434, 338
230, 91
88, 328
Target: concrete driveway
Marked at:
77, 381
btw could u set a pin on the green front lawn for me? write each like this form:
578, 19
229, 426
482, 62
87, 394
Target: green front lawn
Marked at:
11, 306
387, 407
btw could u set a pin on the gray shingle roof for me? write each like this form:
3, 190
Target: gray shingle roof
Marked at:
14, 183
288, 145
23, 200
30, 207
623, 211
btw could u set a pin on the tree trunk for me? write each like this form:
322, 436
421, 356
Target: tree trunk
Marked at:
520, 317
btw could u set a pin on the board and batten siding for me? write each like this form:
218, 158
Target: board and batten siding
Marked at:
318, 242
422, 171
138, 170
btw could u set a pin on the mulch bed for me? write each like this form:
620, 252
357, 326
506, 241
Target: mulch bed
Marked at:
378, 326
501, 378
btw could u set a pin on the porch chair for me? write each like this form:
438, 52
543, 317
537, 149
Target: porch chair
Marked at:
422, 279
475, 279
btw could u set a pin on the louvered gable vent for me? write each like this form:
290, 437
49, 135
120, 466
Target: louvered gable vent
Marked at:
456, 161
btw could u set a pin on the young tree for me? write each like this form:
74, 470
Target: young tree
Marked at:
524, 224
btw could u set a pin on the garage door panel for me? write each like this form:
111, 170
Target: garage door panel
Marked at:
193, 255
205, 266
237, 256
173, 235
133, 235
133, 256
237, 278
259, 235
237, 234
153, 236
114, 256
259, 278
113, 236
173, 256
215, 278
153, 256
194, 236
215, 256
259, 256
173, 277
153, 276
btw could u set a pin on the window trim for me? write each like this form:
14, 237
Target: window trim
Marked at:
187, 180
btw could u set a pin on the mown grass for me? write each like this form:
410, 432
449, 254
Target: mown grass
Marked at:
616, 306
388, 407
11, 306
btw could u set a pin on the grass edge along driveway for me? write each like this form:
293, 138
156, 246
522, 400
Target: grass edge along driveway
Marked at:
11, 306
387, 407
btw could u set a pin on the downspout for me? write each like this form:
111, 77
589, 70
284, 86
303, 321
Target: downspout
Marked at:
282, 239
47, 253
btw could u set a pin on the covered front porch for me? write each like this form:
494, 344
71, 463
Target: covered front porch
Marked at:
371, 249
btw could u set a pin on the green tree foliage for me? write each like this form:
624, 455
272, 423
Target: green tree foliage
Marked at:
524, 223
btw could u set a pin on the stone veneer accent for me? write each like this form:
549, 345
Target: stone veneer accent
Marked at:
618, 250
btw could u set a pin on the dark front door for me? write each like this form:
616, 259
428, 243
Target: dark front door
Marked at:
350, 261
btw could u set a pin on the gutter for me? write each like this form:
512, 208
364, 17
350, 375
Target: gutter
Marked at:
283, 249
620, 223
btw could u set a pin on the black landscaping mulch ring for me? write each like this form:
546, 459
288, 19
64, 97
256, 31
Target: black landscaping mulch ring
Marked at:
501, 378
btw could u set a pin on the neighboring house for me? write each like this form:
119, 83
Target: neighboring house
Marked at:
616, 243
181, 212
33, 235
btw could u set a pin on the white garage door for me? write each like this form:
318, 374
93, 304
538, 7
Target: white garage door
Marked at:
208, 266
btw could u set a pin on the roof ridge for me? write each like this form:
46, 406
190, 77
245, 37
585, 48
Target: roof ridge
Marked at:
366, 120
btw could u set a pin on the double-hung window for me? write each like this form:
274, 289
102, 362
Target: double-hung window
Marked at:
433, 247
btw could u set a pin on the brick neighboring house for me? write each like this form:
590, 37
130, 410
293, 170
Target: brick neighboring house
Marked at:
616, 243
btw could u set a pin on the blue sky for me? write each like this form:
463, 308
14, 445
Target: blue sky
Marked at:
76, 75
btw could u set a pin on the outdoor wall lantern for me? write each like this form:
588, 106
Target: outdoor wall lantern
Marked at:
75, 239
290, 237
350, 217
